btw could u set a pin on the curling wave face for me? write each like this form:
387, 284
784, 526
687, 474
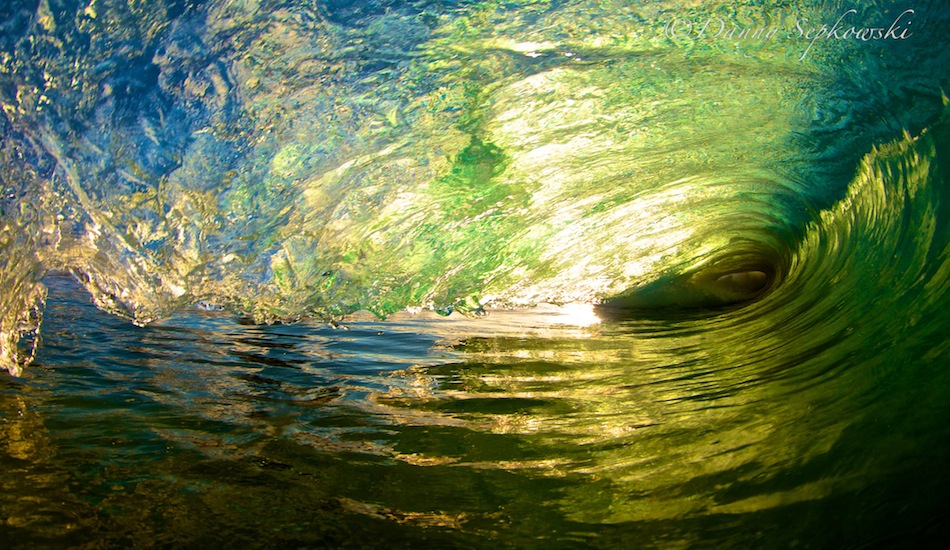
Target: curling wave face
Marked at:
288, 162
749, 249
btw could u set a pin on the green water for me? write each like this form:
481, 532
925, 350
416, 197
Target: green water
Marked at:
469, 274
312, 161
536, 432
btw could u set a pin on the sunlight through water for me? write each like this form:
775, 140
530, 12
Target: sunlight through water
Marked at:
463, 274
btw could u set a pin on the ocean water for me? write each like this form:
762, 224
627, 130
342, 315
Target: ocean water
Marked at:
469, 274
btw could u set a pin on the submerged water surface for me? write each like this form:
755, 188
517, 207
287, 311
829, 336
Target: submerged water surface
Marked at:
531, 429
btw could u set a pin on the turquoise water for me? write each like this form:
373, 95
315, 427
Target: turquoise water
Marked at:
468, 274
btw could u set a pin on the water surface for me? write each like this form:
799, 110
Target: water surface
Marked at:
468, 274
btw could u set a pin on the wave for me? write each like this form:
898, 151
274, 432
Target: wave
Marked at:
312, 162
684, 414
746, 251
